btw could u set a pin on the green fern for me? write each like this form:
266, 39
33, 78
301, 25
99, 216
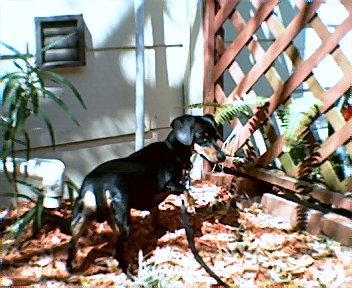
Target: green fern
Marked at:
240, 107
298, 115
203, 105
226, 112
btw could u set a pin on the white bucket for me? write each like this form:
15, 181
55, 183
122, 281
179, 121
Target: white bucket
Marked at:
46, 174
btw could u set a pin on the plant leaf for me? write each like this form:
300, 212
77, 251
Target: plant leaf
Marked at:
49, 126
59, 78
58, 41
35, 94
202, 105
27, 144
14, 50
18, 66
5, 149
299, 114
33, 188
71, 187
40, 209
18, 54
19, 195
226, 112
60, 103
20, 118
11, 74
23, 221
10, 91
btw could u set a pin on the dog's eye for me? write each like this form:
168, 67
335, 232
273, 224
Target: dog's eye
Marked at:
205, 137
201, 140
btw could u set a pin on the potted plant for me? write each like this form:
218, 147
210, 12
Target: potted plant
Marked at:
24, 91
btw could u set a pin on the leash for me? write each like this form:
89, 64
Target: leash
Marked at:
190, 236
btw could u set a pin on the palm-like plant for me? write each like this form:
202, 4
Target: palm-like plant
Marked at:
24, 91
33, 215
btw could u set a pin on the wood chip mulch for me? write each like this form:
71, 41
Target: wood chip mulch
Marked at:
245, 247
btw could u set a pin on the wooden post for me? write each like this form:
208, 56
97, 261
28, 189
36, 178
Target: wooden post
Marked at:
209, 52
139, 21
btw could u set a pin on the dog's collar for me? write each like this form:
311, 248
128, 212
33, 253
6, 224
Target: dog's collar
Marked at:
168, 144
172, 148
188, 165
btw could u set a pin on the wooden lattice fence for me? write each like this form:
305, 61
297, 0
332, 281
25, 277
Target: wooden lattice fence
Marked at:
261, 35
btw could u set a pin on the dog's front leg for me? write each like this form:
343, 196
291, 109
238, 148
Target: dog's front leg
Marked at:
179, 189
190, 202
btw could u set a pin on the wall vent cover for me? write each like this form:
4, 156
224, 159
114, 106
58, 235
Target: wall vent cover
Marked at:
60, 41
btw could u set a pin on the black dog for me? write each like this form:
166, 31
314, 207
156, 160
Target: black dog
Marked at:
141, 180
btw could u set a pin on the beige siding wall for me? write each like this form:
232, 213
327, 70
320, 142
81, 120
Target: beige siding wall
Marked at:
173, 72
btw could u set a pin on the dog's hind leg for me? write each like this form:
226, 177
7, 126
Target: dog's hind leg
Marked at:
119, 221
82, 218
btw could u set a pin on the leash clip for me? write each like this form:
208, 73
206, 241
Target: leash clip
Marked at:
187, 176
187, 180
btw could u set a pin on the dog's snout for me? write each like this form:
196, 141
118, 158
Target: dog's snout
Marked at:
221, 156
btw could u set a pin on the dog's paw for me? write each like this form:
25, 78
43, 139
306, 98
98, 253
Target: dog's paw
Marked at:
189, 203
191, 210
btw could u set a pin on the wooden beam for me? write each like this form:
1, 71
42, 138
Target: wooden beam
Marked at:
276, 49
336, 140
279, 179
257, 51
324, 34
242, 38
334, 93
220, 96
329, 98
209, 50
302, 72
224, 13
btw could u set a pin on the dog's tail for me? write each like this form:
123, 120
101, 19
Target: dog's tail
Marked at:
192, 246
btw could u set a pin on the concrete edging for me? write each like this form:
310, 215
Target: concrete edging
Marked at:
332, 225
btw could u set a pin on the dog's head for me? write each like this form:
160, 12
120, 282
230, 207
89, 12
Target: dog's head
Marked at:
199, 131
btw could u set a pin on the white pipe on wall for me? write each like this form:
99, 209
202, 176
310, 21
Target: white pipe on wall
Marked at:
139, 110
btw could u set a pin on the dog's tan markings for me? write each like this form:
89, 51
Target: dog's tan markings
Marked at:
115, 228
82, 220
108, 198
189, 202
89, 201
208, 152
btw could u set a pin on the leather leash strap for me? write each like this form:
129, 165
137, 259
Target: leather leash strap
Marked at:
190, 238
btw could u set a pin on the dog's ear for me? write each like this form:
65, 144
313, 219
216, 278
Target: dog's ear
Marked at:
211, 118
183, 127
